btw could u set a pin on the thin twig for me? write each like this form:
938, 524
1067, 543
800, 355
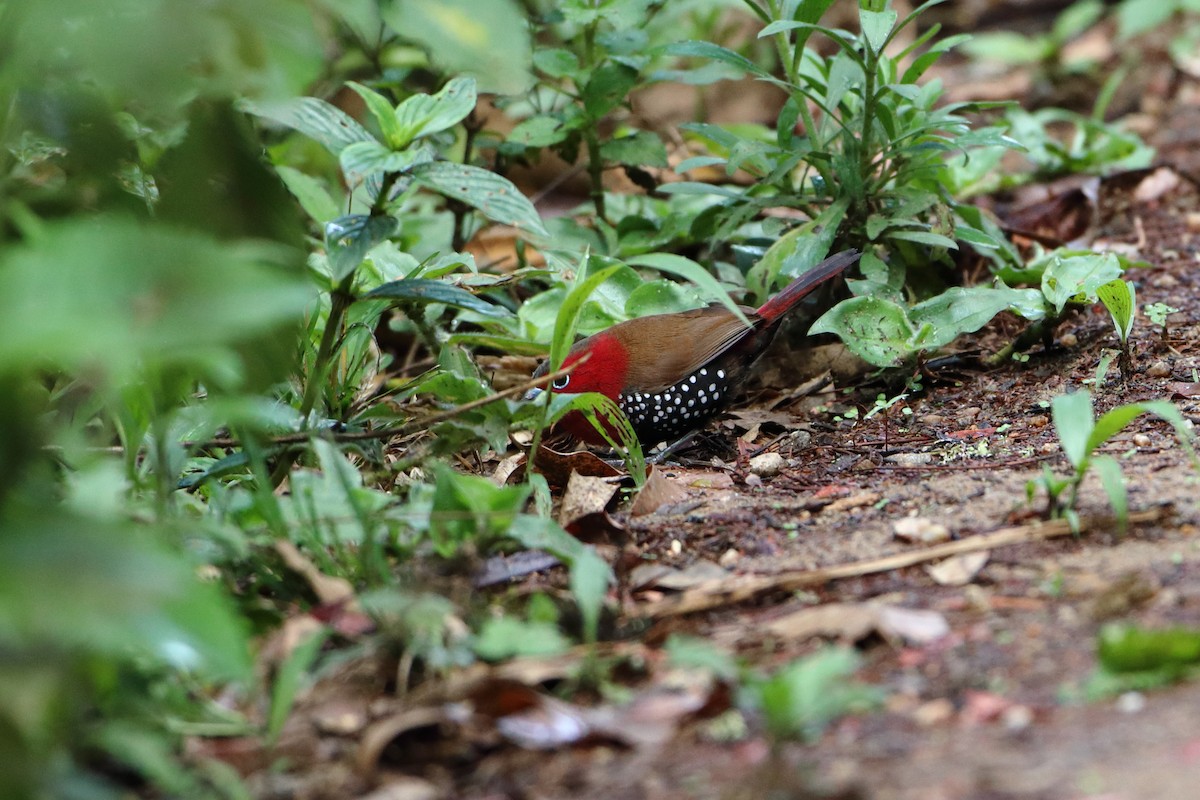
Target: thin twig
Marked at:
400, 430
731, 591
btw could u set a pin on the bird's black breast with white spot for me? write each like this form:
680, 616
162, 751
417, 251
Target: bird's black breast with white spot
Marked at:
675, 410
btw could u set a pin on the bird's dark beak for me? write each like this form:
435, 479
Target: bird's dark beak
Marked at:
533, 394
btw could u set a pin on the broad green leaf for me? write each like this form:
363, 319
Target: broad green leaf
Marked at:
316, 119
540, 131
641, 149
556, 62
924, 237
363, 159
348, 240
690, 271
589, 580
1138, 16
1127, 648
423, 114
802, 698
493, 194
1114, 486
965, 310
875, 330
472, 511
1075, 278
422, 291
488, 39
1120, 298
311, 193
135, 596
607, 88
155, 295
1074, 422
1077, 18
507, 637
877, 27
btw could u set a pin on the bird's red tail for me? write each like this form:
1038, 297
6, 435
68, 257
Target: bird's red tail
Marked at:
795, 291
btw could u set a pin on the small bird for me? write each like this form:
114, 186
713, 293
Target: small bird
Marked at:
671, 373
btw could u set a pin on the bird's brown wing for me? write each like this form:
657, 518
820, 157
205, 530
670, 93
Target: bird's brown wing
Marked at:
666, 348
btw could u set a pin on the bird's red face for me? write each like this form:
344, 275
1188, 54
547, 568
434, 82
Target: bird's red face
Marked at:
604, 370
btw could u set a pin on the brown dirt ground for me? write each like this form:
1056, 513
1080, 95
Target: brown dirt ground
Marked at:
986, 711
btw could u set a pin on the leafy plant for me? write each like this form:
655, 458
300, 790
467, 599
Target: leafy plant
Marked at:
870, 169
804, 697
1157, 313
1081, 435
1120, 298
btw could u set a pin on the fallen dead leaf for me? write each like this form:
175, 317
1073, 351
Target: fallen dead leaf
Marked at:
860, 500
329, 590
584, 505
658, 491
658, 576
851, 622
557, 467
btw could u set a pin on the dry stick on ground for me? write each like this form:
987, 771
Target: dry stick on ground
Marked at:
400, 430
734, 590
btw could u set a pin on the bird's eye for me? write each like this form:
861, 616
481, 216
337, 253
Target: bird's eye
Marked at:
561, 383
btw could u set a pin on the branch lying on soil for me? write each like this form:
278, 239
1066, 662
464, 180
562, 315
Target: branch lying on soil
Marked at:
743, 588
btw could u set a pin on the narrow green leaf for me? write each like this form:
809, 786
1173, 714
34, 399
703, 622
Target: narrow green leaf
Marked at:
493, 194
385, 115
1074, 422
877, 27
1114, 486
691, 271
716, 53
288, 680
422, 291
311, 193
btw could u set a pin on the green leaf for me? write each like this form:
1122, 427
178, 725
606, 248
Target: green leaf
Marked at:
422, 291
493, 194
1114, 486
877, 27
422, 114
1115, 420
1076, 277
288, 680
802, 698
540, 131
385, 116
715, 52
642, 149
363, 159
1138, 16
797, 251
556, 62
488, 39
468, 509
874, 329
924, 237
348, 240
607, 88
156, 295
508, 637
965, 310
1128, 648
1120, 298
1074, 422
1077, 18
316, 119
690, 271
311, 193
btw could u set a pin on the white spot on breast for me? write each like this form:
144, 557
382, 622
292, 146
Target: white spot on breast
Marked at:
720, 373
704, 372
712, 387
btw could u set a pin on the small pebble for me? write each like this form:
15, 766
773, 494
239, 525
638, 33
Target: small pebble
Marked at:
676, 546
910, 459
1068, 340
970, 413
1039, 421
1131, 702
934, 712
920, 530
1049, 447
1193, 221
1017, 718
767, 465
1141, 440
1166, 280
729, 558
1159, 369
931, 419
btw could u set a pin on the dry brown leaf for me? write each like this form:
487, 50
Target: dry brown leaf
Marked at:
584, 505
852, 622
328, 589
557, 467
659, 491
